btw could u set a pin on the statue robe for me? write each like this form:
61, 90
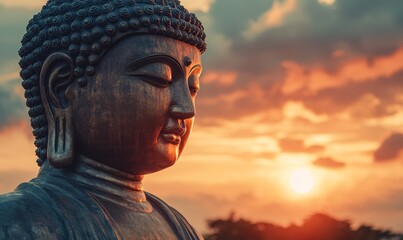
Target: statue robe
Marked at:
89, 201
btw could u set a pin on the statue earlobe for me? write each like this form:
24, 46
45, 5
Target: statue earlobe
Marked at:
56, 76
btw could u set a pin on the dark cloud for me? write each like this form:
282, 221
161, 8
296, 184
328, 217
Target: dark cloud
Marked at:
328, 162
231, 17
12, 106
315, 30
297, 145
390, 148
386, 88
12, 27
308, 36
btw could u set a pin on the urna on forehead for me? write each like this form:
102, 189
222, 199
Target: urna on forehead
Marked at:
85, 30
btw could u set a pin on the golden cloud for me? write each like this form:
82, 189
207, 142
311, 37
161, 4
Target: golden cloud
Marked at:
314, 79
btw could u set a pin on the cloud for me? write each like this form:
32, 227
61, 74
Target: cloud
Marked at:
294, 109
9, 77
327, 2
326, 57
310, 81
390, 148
291, 145
297, 145
12, 27
274, 17
12, 106
23, 3
328, 162
379, 98
197, 5
220, 77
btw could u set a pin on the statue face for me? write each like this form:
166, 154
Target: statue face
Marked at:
137, 112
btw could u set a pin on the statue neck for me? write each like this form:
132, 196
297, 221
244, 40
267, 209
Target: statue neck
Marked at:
104, 182
112, 174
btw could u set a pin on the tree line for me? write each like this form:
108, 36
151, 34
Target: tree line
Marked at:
316, 227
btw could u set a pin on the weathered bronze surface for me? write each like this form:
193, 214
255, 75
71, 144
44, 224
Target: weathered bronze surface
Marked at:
111, 87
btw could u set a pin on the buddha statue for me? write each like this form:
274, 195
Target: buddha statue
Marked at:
111, 87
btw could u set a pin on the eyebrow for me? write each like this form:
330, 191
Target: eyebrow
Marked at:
196, 66
162, 58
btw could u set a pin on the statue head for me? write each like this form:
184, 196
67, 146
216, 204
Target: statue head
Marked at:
114, 81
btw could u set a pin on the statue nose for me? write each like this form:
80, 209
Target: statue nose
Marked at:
182, 102
180, 112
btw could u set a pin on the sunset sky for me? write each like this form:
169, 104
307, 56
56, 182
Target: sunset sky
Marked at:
287, 85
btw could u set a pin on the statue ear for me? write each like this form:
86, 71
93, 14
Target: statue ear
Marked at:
56, 76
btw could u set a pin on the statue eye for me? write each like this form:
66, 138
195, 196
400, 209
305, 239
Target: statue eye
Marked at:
193, 80
194, 91
157, 74
194, 85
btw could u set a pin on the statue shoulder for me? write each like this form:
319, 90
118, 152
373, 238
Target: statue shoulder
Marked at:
177, 220
26, 215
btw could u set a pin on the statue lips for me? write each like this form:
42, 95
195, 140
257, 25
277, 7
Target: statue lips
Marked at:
173, 134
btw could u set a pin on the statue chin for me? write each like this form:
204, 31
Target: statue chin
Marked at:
111, 89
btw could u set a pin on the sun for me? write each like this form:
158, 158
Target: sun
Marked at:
302, 181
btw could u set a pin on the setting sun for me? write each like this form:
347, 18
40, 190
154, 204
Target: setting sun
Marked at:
302, 181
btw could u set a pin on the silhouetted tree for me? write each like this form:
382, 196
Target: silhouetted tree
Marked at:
320, 226
316, 227
232, 229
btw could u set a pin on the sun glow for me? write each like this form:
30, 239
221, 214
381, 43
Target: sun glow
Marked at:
302, 181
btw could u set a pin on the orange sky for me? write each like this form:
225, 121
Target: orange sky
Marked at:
287, 84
